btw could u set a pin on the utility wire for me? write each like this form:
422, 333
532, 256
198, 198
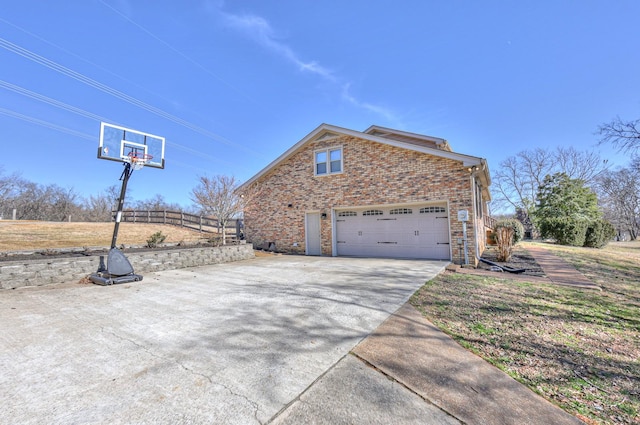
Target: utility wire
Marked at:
111, 91
178, 52
86, 136
58, 104
46, 124
53, 102
101, 68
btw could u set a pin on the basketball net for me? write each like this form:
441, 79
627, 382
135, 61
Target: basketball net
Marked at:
138, 161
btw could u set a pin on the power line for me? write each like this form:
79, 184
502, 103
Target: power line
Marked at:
58, 104
53, 102
175, 50
86, 136
102, 68
111, 91
46, 124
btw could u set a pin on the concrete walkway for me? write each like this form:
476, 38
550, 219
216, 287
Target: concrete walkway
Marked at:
418, 358
558, 270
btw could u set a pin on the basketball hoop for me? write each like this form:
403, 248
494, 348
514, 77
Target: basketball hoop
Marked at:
138, 160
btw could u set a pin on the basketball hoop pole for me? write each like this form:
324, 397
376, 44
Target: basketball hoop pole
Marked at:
118, 268
135, 150
125, 179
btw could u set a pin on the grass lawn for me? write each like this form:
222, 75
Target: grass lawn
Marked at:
579, 349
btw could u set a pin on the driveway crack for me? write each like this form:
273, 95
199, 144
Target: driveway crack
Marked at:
256, 407
407, 387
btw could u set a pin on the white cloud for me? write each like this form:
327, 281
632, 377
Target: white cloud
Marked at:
261, 31
379, 110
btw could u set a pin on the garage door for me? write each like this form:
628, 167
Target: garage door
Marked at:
401, 232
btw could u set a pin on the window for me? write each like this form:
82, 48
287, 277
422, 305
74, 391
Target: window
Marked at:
372, 212
321, 162
427, 210
328, 161
479, 200
401, 211
335, 156
347, 214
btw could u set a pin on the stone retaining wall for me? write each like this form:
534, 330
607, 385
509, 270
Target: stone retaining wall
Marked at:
17, 274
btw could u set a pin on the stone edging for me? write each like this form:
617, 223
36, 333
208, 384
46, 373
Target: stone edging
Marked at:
47, 271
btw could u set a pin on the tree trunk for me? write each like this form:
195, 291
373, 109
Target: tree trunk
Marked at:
504, 237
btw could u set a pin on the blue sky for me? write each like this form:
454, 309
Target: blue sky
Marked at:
232, 85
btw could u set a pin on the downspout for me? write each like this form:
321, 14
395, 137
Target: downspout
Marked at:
475, 212
334, 243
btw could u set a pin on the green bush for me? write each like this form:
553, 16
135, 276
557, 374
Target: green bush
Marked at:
565, 231
599, 233
155, 239
512, 223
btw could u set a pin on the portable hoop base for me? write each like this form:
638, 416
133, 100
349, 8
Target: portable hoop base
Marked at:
118, 270
105, 280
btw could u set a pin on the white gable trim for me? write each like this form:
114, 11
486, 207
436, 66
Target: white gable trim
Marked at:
467, 160
376, 128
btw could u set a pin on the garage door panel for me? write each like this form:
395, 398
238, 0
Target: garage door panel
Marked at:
410, 232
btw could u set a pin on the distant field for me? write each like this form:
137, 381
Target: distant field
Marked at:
26, 235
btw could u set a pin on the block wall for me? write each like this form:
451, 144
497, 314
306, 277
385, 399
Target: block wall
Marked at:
17, 274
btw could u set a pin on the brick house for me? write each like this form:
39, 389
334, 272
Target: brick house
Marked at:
377, 193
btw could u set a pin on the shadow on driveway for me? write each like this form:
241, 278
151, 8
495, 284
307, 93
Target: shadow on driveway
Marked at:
232, 343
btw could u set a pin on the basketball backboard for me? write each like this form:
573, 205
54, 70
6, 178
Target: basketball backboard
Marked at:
119, 144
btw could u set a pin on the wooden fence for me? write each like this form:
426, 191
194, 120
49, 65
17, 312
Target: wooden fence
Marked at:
177, 218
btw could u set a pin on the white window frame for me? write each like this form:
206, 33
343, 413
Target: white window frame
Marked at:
327, 152
432, 210
401, 211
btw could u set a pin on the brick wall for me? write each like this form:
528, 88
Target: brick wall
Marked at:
373, 173
17, 274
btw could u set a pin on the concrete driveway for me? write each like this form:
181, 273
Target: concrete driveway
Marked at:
233, 343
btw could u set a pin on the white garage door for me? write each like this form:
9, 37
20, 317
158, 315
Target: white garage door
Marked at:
401, 232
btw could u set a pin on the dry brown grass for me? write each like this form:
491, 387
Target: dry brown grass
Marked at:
32, 235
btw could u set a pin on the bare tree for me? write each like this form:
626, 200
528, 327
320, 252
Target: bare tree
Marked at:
31, 202
218, 196
516, 182
99, 207
37, 202
619, 194
64, 203
156, 203
623, 135
9, 187
580, 165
